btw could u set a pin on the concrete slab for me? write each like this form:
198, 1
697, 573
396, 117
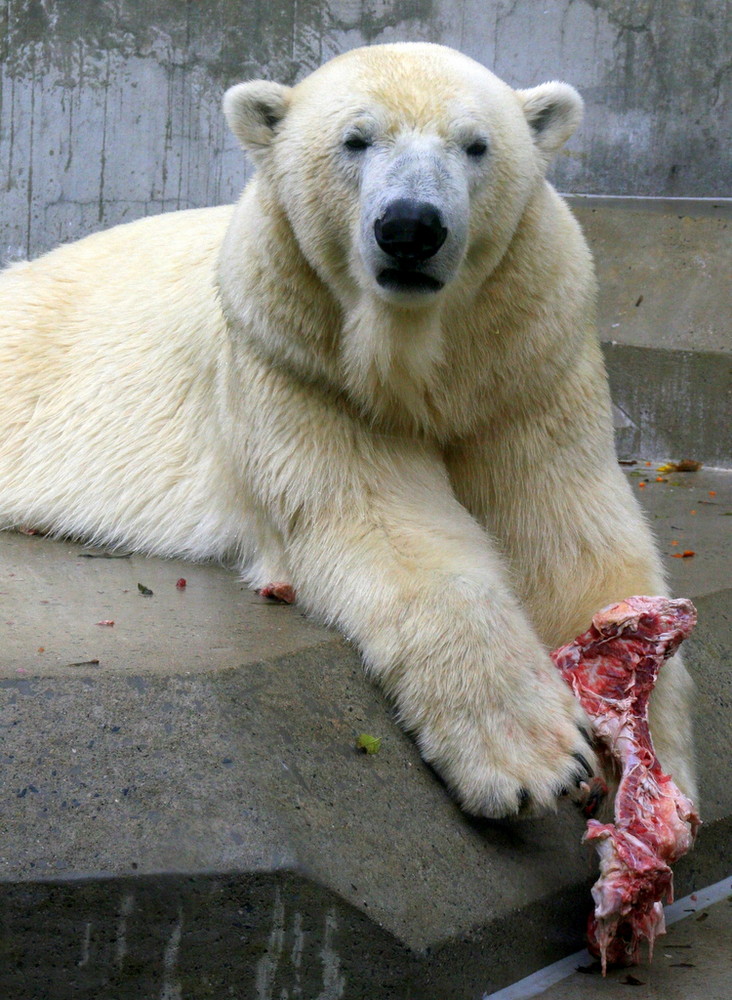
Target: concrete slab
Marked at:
676, 403
189, 816
53, 596
693, 961
689, 512
664, 310
663, 269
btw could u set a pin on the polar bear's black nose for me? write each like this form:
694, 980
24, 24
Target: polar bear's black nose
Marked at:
410, 231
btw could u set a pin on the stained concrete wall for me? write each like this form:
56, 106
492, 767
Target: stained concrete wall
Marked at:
110, 109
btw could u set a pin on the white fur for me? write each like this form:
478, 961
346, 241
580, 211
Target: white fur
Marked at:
433, 473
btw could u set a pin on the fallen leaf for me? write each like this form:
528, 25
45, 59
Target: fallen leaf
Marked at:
145, 591
632, 981
108, 623
370, 744
84, 663
686, 465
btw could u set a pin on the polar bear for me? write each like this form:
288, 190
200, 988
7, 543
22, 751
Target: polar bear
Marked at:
375, 380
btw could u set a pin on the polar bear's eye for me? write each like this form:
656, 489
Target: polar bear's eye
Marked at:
477, 148
356, 143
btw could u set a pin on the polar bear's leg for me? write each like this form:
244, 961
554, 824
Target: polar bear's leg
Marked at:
576, 540
378, 545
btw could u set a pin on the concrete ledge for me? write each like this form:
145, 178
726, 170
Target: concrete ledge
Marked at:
182, 830
671, 403
664, 308
663, 269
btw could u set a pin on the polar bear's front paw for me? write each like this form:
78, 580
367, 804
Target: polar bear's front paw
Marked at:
517, 761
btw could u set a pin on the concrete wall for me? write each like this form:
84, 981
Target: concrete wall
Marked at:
110, 109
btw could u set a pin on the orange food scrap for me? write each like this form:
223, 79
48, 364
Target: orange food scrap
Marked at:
648, 464
660, 479
686, 554
712, 493
692, 512
641, 486
674, 543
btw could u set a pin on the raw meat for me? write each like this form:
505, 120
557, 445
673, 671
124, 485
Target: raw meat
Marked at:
282, 593
612, 669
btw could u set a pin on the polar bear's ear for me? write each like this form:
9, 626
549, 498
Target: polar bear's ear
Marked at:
553, 111
254, 110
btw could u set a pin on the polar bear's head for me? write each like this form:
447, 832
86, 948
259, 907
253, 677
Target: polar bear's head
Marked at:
403, 169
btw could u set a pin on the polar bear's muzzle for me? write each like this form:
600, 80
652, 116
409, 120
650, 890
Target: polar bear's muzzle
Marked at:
409, 232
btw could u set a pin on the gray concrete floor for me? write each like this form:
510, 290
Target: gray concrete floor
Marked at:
54, 594
693, 961
689, 512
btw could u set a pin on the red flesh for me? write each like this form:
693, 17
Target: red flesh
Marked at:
283, 593
612, 669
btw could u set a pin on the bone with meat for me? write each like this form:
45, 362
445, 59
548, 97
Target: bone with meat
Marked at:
612, 669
